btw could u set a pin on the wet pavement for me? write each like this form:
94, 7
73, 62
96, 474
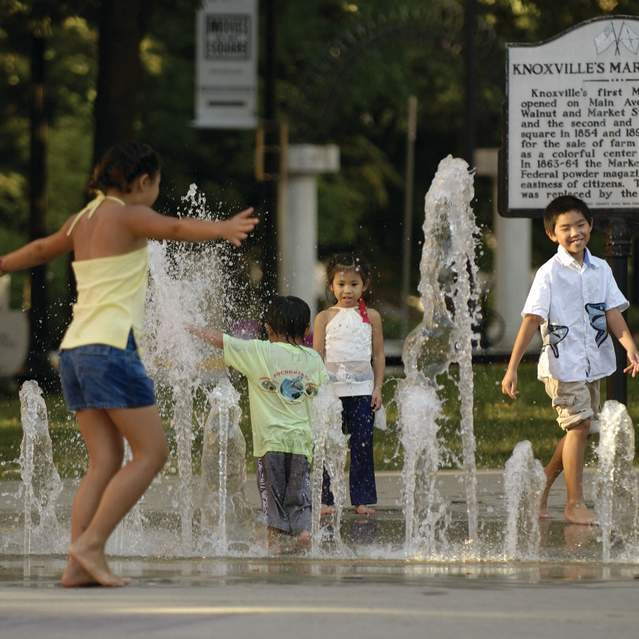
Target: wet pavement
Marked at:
297, 597
371, 590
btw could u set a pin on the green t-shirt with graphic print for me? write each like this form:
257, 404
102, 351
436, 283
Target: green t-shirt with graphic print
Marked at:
282, 380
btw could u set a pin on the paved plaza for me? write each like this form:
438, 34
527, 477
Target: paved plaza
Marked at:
193, 599
574, 595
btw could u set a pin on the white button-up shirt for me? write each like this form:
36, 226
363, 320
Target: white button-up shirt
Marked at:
572, 299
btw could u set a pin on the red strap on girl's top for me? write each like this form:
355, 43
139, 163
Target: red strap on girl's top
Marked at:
363, 312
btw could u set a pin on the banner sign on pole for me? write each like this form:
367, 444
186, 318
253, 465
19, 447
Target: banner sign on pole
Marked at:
572, 119
226, 64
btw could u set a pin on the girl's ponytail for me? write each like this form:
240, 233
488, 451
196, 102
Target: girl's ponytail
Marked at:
363, 311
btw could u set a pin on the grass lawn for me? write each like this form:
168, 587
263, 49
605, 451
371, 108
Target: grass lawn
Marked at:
499, 425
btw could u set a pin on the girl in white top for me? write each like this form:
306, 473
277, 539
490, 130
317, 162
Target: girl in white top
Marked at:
349, 338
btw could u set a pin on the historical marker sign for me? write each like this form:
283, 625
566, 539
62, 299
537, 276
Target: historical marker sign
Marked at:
226, 64
572, 120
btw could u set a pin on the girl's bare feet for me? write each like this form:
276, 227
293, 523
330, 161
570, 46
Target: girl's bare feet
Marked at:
579, 514
93, 561
326, 510
364, 510
75, 576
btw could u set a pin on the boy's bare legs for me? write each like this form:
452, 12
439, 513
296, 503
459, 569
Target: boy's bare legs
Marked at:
143, 430
552, 471
574, 447
105, 449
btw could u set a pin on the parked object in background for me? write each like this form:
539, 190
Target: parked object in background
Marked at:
14, 333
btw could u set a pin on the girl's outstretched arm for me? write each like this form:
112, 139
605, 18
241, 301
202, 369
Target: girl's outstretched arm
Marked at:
38, 252
379, 357
319, 333
147, 223
208, 335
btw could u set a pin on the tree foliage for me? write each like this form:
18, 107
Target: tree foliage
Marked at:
345, 72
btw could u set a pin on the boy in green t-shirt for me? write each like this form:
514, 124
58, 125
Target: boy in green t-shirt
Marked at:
283, 377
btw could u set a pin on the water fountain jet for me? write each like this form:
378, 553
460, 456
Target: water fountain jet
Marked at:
524, 482
449, 296
329, 452
41, 484
616, 486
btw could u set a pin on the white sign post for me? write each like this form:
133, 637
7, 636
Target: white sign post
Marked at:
226, 64
572, 124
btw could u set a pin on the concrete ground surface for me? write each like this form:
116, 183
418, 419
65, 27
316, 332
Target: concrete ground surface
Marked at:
574, 595
303, 599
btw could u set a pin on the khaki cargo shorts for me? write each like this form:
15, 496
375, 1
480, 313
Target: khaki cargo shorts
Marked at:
574, 402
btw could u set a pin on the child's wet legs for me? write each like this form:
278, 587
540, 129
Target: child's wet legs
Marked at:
359, 419
143, 430
574, 448
105, 450
552, 471
328, 500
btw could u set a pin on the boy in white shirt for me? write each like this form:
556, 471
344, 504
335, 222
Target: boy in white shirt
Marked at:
575, 301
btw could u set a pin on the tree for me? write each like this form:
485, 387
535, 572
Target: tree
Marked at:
121, 27
28, 27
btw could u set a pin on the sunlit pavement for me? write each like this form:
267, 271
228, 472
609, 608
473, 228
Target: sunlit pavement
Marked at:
573, 596
280, 598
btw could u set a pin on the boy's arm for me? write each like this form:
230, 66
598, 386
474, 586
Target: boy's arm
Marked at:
38, 252
211, 336
528, 327
145, 222
620, 330
379, 357
319, 334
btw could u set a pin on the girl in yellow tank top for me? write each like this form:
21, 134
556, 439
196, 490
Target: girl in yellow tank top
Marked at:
103, 378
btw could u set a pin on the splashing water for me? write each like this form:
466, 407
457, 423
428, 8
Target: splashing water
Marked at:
524, 482
616, 489
445, 335
222, 498
209, 514
187, 286
425, 510
329, 452
41, 485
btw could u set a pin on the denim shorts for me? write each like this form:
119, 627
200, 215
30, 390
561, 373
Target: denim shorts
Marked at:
101, 376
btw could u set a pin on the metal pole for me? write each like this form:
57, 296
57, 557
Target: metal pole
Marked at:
411, 135
470, 26
269, 221
618, 249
